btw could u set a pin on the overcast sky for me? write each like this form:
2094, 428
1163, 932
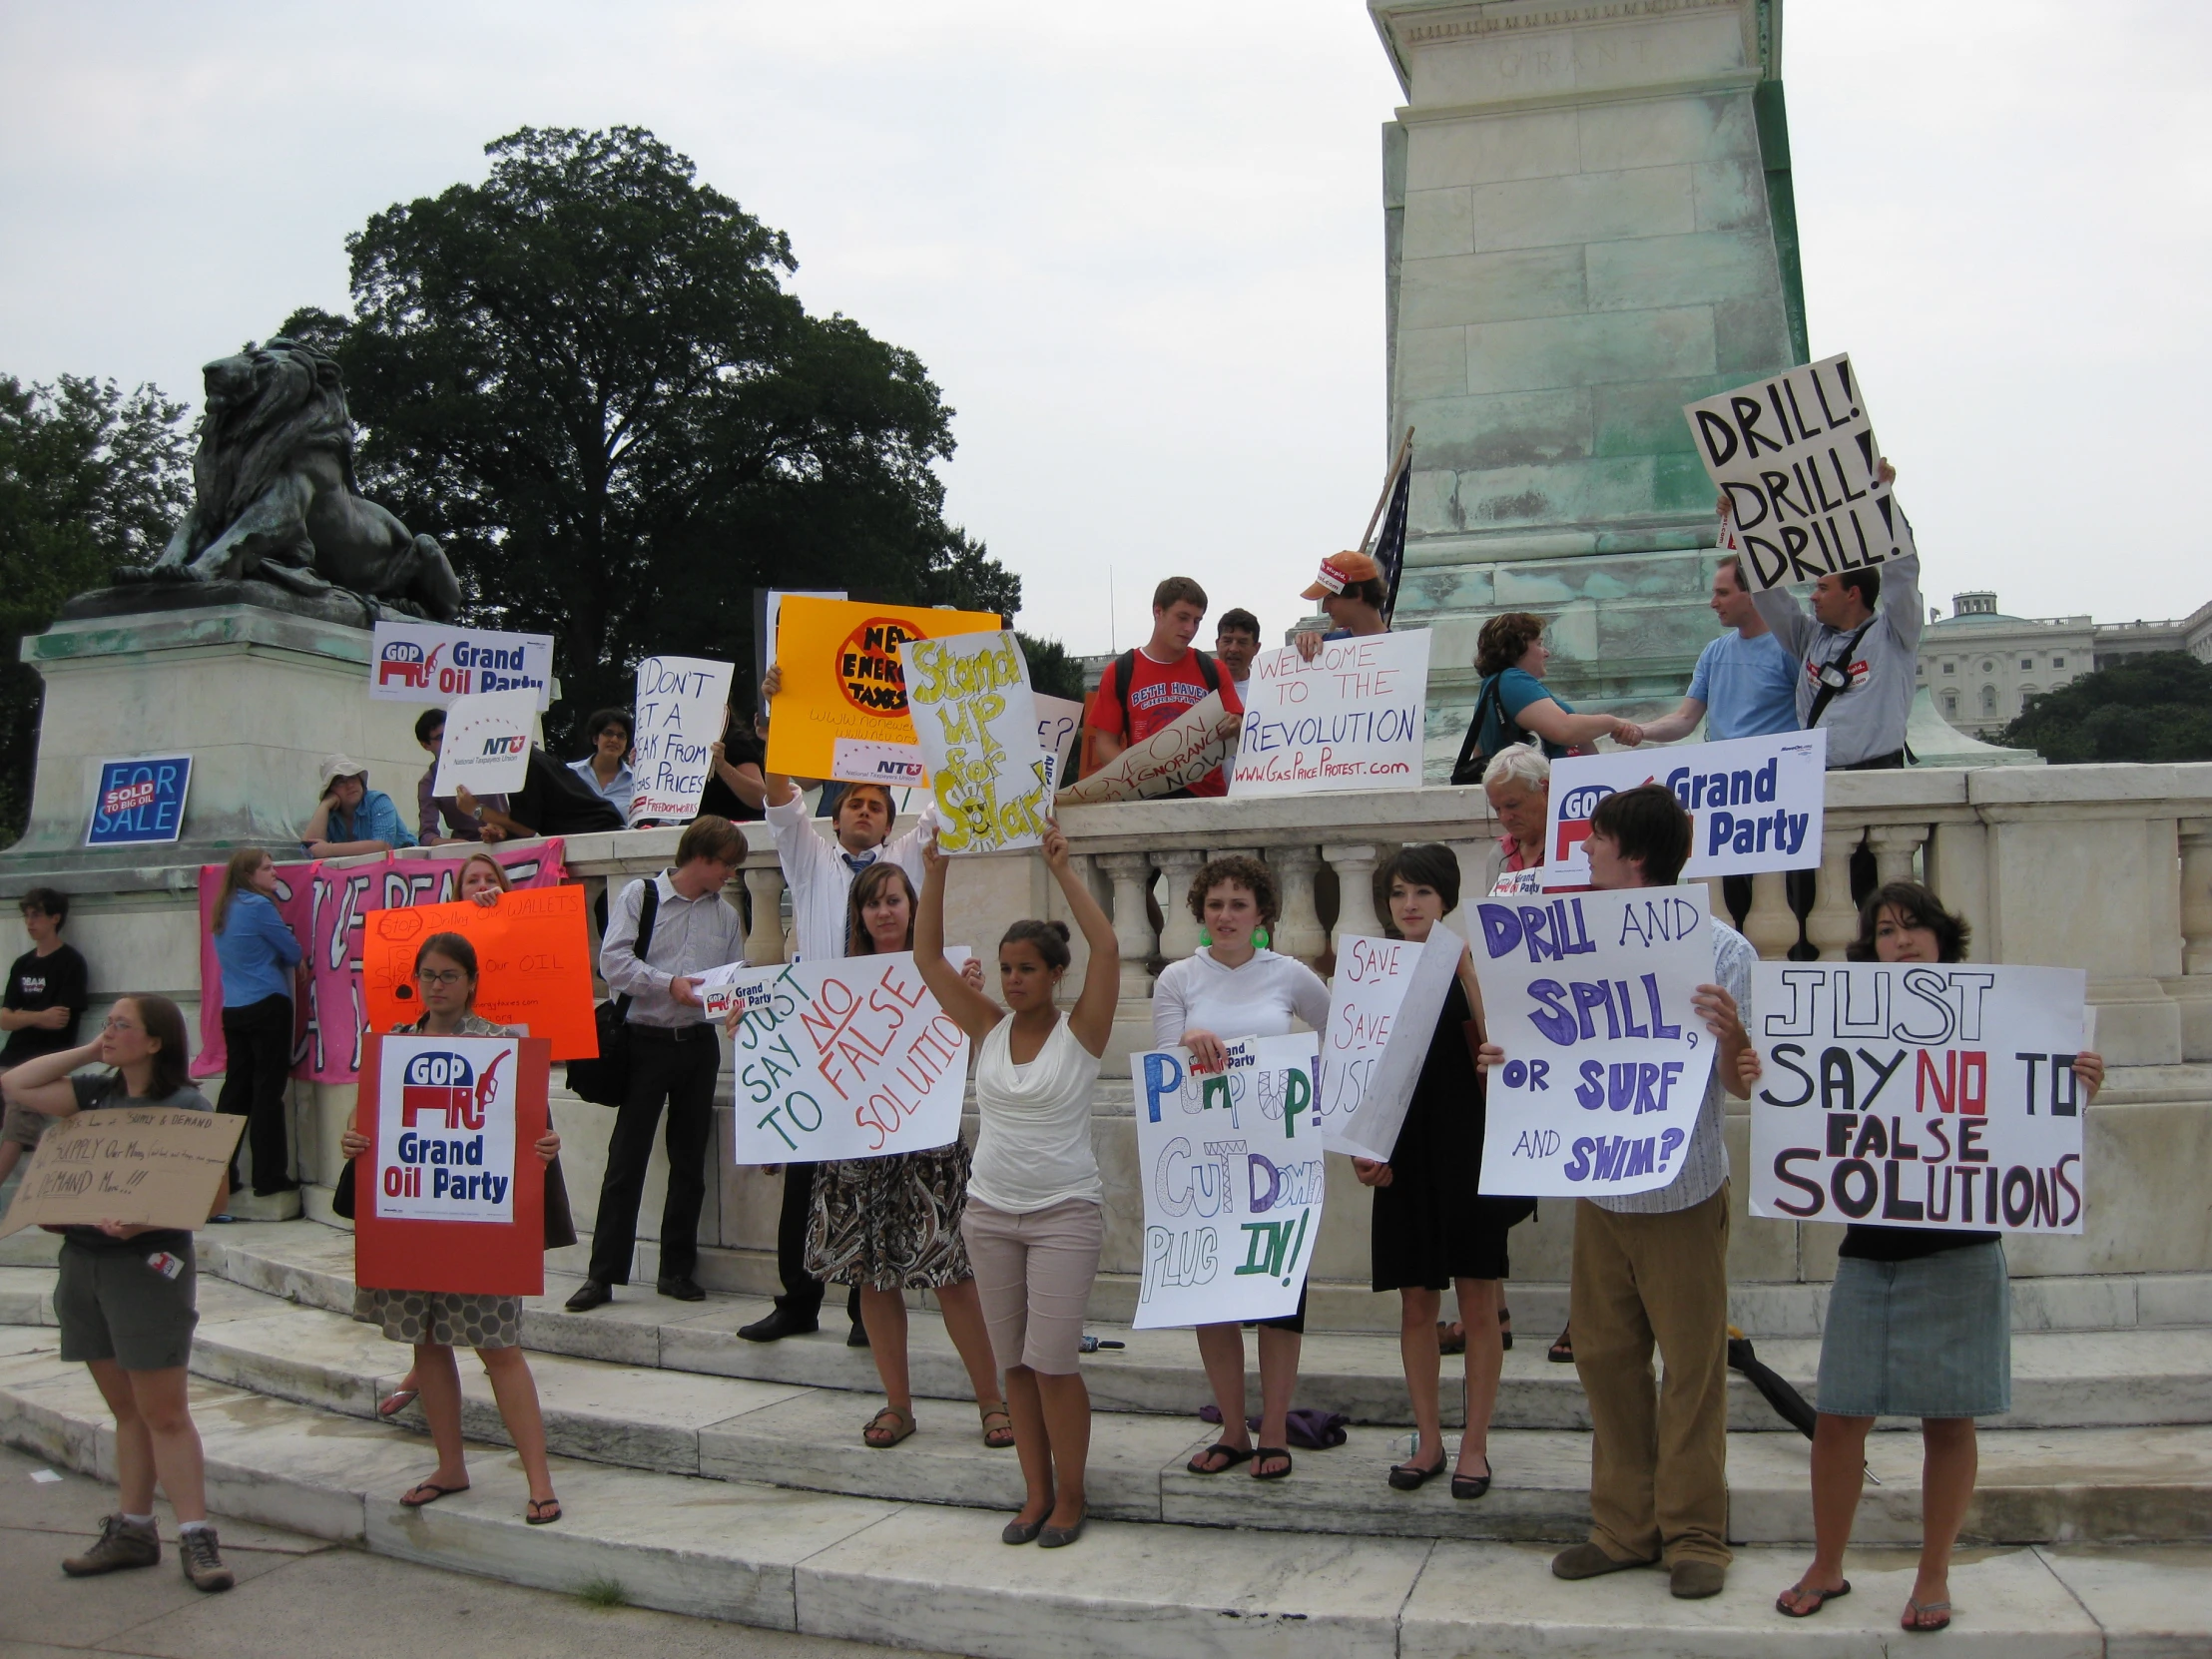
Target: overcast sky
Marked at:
1139, 244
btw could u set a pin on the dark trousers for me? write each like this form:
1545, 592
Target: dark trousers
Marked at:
803, 1292
257, 1039
682, 1074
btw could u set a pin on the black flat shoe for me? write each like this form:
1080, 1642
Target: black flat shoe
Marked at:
681, 1288
1411, 1477
589, 1295
1059, 1537
779, 1325
1021, 1532
857, 1337
1470, 1486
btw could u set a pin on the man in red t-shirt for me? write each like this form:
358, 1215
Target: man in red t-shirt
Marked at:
1166, 676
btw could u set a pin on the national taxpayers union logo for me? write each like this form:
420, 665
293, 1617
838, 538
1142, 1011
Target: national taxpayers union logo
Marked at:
405, 661
445, 1083
869, 670
513, 744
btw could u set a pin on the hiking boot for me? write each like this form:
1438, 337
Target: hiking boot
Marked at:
121, 1544
204, 1568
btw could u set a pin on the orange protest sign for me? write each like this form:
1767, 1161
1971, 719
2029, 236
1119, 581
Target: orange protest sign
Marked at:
533, 961
844, 686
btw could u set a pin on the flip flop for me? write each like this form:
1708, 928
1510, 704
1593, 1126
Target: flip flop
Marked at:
396, 1401
1561, 1352
1820, 1598
533, 1515
1917, 1609
1271, 1452
408, 1501
897, 1428
1220, 1449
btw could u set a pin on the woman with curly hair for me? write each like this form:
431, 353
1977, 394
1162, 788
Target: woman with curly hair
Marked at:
1514, 705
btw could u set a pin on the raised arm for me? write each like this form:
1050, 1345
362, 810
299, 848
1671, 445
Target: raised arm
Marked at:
972, 1010
1092, 1021
42, 1084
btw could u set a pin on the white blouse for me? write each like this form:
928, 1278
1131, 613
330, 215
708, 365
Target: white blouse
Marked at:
1257, 1000
1034, 1148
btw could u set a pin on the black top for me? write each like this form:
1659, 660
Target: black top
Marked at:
718, 797
96, 1093
1906, 1243
35, 983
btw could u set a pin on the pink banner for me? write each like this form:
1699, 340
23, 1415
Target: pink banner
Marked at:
323, 905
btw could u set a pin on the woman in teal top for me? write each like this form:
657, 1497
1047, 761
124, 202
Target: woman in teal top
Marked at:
1514, 705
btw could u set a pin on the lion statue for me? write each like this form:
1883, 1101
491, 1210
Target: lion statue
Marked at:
274, 495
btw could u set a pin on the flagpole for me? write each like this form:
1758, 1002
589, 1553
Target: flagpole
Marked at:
1404, 448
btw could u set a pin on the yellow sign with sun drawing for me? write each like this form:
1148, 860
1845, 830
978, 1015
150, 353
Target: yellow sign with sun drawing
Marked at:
977, 725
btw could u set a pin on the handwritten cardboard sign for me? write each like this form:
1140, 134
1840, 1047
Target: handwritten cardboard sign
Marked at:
1383, 1005
1755, 803
147, 1166
486, 747
1231, 1169
436, 661
1919, 1095
1351, 719
1607, 1062
1796, 458
683, 704
976, 723
533, 958
1179, 753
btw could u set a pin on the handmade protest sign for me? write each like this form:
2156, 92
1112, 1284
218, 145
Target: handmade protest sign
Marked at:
148, 1166
451, 1195
846, 1058
845, 682
533, 959
486, 747
1607, 1062
1797, 458
767, 606
432, 661
1231, 1163
1351, 719
1755, 803
977, 725
1919, 1094
683, 704
138, 801
1178, 754
1383, 1008
1059, 725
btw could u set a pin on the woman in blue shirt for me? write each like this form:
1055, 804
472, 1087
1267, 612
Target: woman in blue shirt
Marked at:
258, 952
1514, 705
352, 817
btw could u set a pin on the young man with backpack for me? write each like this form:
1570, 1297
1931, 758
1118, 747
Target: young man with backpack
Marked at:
1151, 686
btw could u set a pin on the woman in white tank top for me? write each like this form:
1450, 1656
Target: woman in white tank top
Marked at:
1034, 1222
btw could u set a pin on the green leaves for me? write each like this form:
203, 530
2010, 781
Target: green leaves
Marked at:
2157, 707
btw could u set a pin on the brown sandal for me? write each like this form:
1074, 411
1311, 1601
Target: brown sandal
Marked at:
882, 1435
997, 1435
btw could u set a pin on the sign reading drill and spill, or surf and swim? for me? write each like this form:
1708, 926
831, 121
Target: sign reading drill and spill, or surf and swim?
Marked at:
1606, 1061
1755, 803
486, 746
1919, 1095
683, 704
977, 725
138, 801
433, 662
1231, 1168
1383, 1008
1351, 719
1797, 458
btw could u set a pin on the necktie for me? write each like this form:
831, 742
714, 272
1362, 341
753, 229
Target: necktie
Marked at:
858, 861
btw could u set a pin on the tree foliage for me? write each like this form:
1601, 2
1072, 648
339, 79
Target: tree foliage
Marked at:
1051, 670
91, 477
2157, 707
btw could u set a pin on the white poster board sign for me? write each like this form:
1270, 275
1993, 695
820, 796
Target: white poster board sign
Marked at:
1755, 803
1796, 456
1060, 728
969, 695
445, 1129
1351, 719
486, 746
433, 662
683, 704
1919, 1095
1178, 754
1606, 1061
1231, 1169
1383, 1008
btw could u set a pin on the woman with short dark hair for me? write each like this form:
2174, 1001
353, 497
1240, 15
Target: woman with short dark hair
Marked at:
1514, 705
605, 770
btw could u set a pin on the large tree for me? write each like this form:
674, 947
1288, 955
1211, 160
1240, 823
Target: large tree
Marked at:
586, 376
2157, 707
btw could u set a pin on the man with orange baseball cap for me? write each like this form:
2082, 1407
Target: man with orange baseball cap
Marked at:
1352, 593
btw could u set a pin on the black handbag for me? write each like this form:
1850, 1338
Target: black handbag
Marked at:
606, 1080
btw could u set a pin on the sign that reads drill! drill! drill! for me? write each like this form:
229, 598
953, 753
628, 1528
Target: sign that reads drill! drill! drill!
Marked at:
1605, 1059
976, 723
1231, 1168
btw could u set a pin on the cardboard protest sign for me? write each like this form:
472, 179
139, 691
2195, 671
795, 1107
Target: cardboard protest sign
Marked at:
977, 725
843, 681
1919, 1095
451, 1195
138, 801
533, 959
683, 705
433, 662
1060, 728
1796, 456
1755, 803
846, 1058
148, 1166
1178, 754
1605, 1060
1383, 1005
486, 747
1231, 1166
1351, 719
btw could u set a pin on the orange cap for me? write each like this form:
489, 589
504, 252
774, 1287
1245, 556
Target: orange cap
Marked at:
1341, 571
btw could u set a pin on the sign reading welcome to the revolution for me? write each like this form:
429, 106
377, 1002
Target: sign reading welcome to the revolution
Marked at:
433, 662
1797, 458
977, 725
1383, 1003
1351, 719
1919, 1095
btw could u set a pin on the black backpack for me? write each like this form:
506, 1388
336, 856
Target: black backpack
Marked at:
1471, 764
1126, 664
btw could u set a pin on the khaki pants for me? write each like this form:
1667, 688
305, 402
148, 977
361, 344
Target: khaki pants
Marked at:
1658, 1455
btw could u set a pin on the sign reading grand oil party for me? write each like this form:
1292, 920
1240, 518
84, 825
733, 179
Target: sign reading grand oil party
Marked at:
1755, 803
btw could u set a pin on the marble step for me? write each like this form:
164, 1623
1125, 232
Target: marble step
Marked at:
916, 1575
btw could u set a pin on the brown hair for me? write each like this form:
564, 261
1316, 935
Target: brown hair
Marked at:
1650, 827
1920, 908
1735, 568
50, 901
709, 836
235, 875
1049, 937
497, 868
1177, 590
165, 1023
455, 950
1248, 873
850, 790
858, 940
1422, 864
1504, 640
1375, 591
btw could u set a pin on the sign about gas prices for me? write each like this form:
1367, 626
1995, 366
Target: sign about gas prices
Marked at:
682, 706
1059, 727
1179, 753
846, 1058
1605, 1062
1351, 719
140, 801
977, 725
486, 747
533, 962
451, 1193
431, 662
1918, 1095
845, 682
1797, 458
150, 1166
1231, 1168
1383, 1008
1755, 803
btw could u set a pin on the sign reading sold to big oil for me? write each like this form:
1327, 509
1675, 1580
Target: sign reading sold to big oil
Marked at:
845, 687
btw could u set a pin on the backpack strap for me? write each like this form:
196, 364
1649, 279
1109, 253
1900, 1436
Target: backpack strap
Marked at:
1840, 665
1125, 664
649, 910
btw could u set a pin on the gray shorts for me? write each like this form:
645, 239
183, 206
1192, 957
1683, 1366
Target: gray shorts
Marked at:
22, 1126
119, 1305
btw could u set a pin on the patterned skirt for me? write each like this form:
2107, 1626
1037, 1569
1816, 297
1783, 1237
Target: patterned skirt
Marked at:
891, 1223
454, 1317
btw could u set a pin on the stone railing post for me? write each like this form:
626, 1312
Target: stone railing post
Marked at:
1895, 847
1833, 922
2196, 896
1179, 929
1354, 863
763, 889
1769, 924
1297, 930
1131, 874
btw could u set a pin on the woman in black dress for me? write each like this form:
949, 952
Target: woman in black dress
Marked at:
1432, 1228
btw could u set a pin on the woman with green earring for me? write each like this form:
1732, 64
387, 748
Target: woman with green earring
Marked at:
1234, 986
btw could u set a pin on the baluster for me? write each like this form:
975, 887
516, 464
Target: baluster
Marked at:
1715, 901
1179, 929
2196, 894
1833, 922
764, 885
1354, 867
1769, 924
1895, 845
1297, 930
1131, 874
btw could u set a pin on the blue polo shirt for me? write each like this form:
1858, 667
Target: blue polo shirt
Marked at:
1748, 687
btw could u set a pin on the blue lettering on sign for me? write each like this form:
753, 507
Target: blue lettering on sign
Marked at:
1163, 1076
138, 801
1550, 931
1569, 1013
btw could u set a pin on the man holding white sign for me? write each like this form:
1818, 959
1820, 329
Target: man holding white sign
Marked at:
1348, 716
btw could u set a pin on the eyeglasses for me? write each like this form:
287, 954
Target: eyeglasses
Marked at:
111, 1024
441, 976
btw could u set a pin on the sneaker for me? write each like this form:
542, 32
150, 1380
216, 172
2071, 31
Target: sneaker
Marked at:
204, 1568
121, 1544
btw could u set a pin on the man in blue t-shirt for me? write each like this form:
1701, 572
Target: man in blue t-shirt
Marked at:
1745, 685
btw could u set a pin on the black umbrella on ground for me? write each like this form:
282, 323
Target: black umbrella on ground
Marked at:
1789, 1404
